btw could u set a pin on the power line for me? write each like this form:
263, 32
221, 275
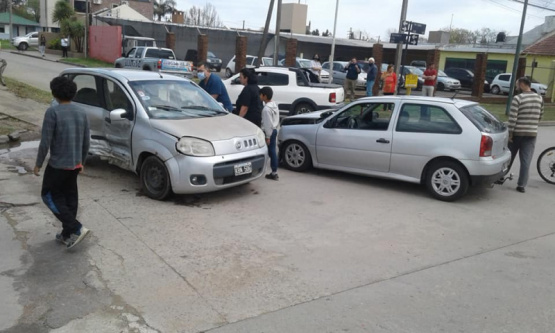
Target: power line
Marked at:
534, 5
513, 9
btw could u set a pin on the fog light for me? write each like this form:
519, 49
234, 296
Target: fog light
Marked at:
198, 180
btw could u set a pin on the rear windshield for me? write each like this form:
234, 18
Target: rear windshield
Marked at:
157, 53
483, 119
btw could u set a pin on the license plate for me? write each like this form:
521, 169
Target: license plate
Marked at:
243, 168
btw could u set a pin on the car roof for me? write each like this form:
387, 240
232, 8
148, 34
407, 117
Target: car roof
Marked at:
455, 101
121, 74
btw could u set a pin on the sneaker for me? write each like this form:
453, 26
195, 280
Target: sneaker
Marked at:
77, 237
61, 239
272, 176
521, 189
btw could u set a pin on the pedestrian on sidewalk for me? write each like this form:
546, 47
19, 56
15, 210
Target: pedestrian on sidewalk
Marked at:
65, 45
430, 76
526, 113
371, 76
42, 44
353, 69
270, 123
65, 133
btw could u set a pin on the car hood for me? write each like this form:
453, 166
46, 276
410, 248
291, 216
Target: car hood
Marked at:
312, 115
539, 86
210, 128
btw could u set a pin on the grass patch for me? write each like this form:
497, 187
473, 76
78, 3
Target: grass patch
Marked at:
88, 62
499, 111
26, 91
6, 45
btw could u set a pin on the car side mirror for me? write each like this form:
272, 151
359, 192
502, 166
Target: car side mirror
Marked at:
117, 115
325, 114
330, 123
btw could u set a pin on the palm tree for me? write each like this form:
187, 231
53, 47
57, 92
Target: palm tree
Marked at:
163, 7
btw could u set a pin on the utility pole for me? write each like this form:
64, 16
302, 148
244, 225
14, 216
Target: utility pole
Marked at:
276, 38
399, 53
11, 25
333, 42
265, 34
86, 28
517, 56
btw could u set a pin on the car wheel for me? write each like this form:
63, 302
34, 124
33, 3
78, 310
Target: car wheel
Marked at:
146, 68
296, 156
228, 72
118, 66
447, 181
440, 86
23, 46
495, 90
155, 179
303, 108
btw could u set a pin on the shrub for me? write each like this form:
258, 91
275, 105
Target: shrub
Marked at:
55, 44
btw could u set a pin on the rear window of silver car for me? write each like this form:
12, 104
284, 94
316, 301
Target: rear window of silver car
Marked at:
483, 119
168, 99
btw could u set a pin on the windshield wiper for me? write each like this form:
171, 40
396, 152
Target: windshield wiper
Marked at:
202, 107
166, 107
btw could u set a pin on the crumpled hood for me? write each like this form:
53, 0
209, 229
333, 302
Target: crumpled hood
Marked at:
208, 128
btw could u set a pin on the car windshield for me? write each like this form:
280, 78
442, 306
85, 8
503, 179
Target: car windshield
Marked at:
268, 61
167, 99
441, 73
305, 63
483, 119
211, 55
415, 70
364, 66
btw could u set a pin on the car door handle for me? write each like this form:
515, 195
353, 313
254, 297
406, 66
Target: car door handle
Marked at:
382, 140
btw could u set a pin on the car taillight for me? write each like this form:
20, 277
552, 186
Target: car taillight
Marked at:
486, 144
159, 64
332, 98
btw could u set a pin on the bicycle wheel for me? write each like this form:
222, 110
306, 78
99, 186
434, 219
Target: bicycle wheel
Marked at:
546, 165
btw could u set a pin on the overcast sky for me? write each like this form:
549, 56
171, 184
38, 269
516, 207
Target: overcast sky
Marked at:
377, 17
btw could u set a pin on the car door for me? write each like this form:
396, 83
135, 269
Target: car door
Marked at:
505, 82
118, 127
339, 73
358, 139
34, 39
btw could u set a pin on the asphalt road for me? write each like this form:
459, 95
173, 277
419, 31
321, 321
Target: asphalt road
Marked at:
314, 252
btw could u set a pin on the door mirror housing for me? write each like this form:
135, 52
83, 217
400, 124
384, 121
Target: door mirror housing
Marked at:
118, 114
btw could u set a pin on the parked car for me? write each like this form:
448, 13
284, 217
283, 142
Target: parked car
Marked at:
294, 93
23, 42
502, 84
170, 132
444, 82
406, 70
418, 63
443, 143
155, 59
307, 63
130, 42
339, 73
230, 69
212, 62
466, 77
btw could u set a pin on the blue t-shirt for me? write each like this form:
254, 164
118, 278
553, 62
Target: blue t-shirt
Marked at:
215, 86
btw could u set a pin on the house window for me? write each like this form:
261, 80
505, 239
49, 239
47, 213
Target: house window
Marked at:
2, 29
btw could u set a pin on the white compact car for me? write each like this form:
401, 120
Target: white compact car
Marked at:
168, 130
230, 68
502, 84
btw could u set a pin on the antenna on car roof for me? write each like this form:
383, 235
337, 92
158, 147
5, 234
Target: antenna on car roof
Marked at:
456, 92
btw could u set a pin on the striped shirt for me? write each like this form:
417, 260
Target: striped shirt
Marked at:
65, 132
526, 112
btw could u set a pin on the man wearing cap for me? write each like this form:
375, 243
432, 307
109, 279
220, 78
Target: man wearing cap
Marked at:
371, 76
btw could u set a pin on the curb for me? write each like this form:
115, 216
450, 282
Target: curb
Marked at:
58, 61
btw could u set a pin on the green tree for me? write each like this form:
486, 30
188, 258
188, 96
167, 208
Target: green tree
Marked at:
34, 8
62, 11
162, 8
76, 30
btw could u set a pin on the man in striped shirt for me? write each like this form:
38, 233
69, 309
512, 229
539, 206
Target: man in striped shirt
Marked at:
526, 112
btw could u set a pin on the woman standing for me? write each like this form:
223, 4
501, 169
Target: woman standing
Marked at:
249, 105
389, 81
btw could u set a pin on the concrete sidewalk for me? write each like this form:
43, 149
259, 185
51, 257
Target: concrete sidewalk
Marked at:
47, 56
26, 110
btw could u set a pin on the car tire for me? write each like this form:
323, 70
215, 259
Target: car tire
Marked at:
23, 46
296, 156
303, 107
440, 86
146, 68
447, 180
155, 179
118, 66
228, 73
495, 90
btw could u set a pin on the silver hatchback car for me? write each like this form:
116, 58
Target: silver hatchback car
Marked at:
443, 143
168, 130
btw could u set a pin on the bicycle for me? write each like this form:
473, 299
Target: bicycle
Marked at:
546, 165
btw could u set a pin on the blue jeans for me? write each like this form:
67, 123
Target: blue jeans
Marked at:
272, 151
369, 87
524, 147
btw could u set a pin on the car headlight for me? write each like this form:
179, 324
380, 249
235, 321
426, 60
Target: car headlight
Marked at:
261, 138
195, 147
208, 60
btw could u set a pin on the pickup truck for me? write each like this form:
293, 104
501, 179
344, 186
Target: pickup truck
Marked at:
155, 59
23, 42
295, 89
